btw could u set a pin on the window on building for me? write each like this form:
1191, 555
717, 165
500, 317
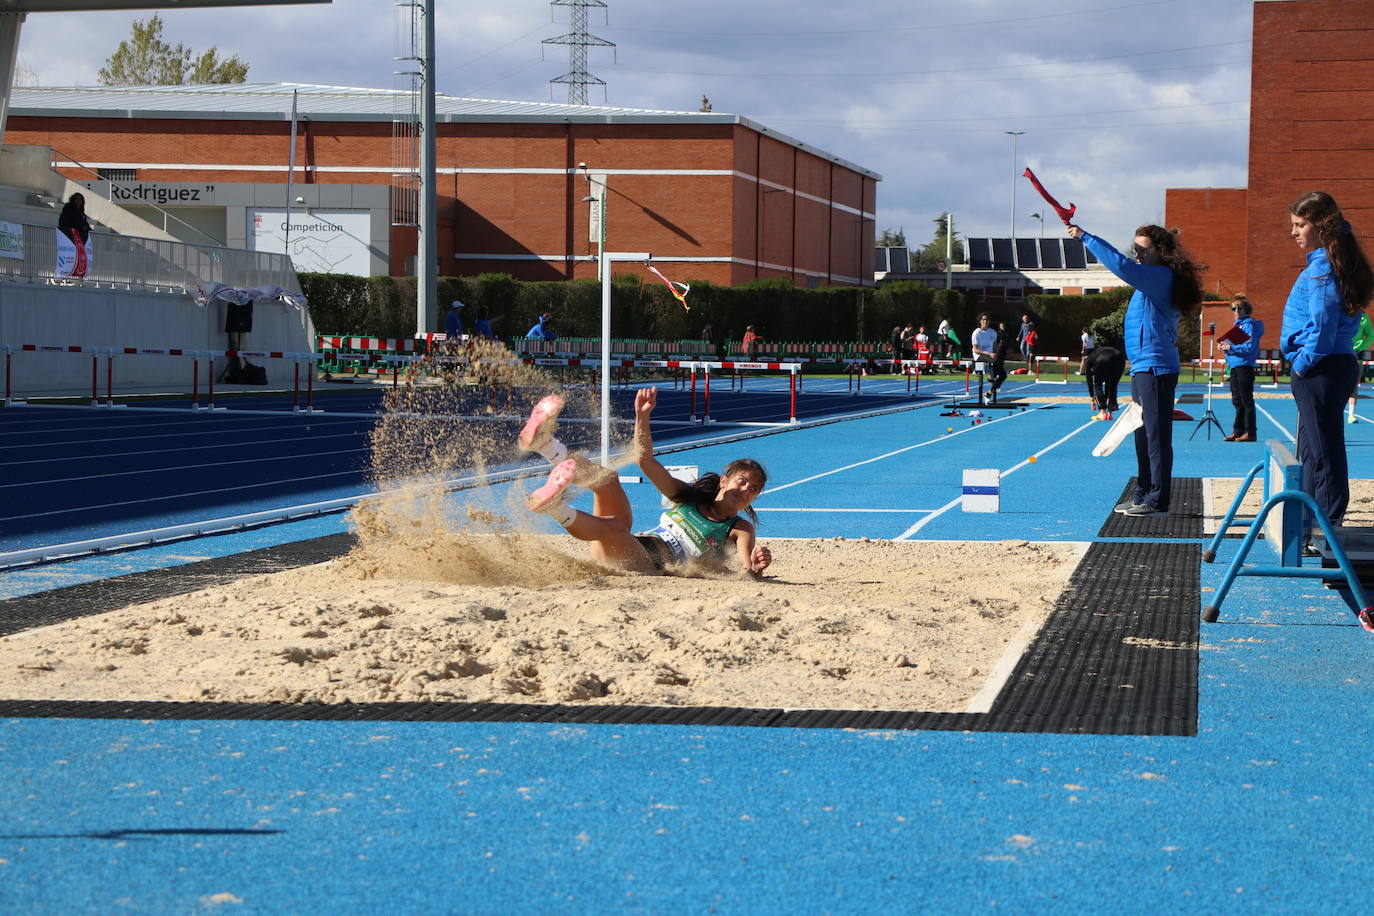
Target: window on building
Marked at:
1049, 291
1015, 293
119, 175
1091, 291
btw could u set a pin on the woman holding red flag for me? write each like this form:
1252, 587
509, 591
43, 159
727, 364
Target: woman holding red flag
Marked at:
1166, 282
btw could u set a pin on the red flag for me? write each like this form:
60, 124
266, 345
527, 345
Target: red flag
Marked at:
1065, 213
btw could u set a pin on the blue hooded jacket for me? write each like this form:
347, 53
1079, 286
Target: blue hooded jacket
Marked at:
1151, 319
541, 331
1315, 324
1245, 354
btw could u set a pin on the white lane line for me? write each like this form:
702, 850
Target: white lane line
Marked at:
908, 448
983, 699
1283, 429
910, 532
997, 678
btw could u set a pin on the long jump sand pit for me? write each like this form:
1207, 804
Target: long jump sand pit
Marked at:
1221, 492
839, 624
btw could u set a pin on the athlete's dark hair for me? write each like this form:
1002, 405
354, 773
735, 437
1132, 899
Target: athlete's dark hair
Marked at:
702, 492
1187, 285
1353, 276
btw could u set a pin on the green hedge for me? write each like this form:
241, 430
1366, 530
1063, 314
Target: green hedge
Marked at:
385, 307
1109, 328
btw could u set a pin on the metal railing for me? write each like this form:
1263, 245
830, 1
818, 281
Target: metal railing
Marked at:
130, 262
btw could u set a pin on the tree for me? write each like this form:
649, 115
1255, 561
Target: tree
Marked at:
146, 60
889, 239
926, 260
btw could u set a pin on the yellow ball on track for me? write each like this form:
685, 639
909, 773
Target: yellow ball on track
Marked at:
949, 429
1032, 459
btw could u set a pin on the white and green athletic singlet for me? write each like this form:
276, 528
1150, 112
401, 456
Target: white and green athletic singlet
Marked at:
689, 534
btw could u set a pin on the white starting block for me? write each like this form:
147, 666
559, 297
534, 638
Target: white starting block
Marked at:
982, 490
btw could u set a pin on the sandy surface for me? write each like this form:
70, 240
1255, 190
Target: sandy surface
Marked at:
1360, 513
837, 624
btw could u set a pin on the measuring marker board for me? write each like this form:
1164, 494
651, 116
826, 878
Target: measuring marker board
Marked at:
982, 490
1283, 527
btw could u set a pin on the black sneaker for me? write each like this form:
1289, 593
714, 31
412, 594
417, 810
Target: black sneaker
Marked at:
1143, 510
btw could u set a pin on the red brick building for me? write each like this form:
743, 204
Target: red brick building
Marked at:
712, 196
1312, 92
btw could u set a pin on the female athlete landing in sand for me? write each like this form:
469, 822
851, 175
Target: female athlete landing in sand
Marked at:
705, 516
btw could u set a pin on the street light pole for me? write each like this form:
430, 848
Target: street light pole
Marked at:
949, 250
1014, 134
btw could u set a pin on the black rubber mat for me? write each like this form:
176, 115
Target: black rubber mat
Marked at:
1184, 519
1118, 655
1119, 652
89, 598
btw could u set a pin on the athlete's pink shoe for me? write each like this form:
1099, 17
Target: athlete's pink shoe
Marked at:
551, 493
541, 424
1365, 620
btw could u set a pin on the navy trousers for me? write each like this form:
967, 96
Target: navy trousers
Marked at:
1321, 395
1154, 441
1243, 399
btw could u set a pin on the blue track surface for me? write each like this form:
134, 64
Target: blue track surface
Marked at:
1266, 809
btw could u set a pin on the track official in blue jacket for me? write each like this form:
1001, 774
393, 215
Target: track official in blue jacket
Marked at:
1240, 363
1165, 282
1320, 320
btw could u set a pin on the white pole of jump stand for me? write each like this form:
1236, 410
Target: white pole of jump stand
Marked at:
606, 258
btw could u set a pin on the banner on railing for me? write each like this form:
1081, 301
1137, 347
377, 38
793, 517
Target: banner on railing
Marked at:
73, 257
205, 292
11, 240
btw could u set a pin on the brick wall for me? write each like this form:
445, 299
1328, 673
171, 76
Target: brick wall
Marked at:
539, 211
1212, 223
1312, 91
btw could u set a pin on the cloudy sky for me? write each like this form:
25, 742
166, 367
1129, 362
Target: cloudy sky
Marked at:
1117, 100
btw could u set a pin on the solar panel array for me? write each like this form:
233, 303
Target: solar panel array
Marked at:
1027, 254
892, 260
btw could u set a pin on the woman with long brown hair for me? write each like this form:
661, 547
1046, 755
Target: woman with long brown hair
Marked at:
1320, 320
711, 519
1166, 283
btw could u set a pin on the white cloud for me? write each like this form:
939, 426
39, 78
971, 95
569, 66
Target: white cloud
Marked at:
920, 95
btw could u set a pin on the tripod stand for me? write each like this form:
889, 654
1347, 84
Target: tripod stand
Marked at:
1209, 419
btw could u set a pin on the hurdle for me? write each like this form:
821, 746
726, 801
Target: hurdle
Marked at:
1283, 530
195, 356
791, 368
1062, 360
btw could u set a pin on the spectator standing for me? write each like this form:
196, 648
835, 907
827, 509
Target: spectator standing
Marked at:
1088, 343
1023, 337
72, 220
542, 329
999, 360
482, 327
751, 342
1320, 320
942, 339
894, 343
984, 341
1240, 361
453, 326
1364, 338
